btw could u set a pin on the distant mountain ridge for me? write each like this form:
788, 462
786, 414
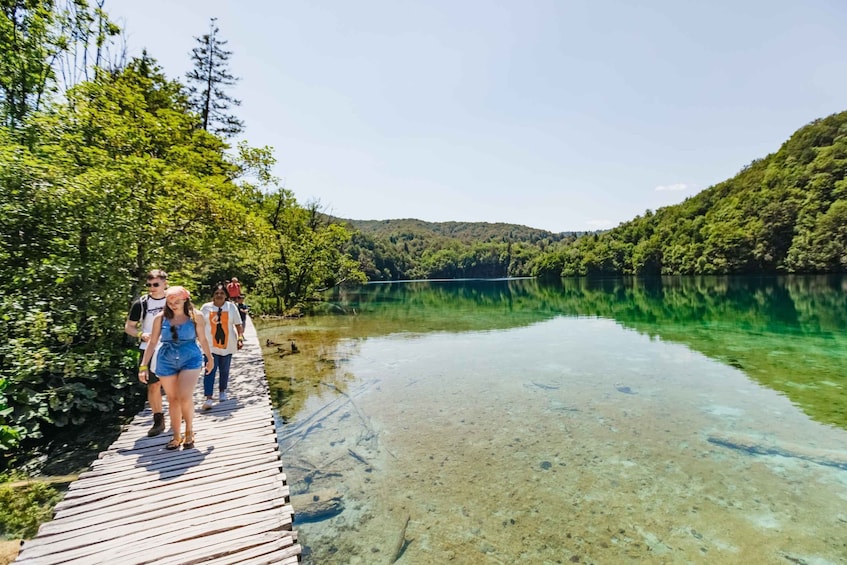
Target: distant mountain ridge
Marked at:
463, 231
408, 248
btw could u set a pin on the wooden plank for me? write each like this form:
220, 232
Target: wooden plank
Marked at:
162, 459
223, 448
275, 557
147, 513
96, 541
131, 442
133, 512
225, 501
160, 547
246, 472
173, 476
162, 496
212, 552
246, 432
143, 475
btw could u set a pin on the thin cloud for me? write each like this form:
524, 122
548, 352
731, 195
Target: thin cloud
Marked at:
672, 187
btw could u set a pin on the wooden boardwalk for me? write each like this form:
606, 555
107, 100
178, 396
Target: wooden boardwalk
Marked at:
224, 501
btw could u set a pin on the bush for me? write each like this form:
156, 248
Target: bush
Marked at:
23, 509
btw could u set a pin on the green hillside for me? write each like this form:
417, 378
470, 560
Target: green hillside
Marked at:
467, 232
414, 249
785, 213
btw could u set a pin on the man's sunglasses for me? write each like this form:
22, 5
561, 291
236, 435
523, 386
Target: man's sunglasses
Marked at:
155, 284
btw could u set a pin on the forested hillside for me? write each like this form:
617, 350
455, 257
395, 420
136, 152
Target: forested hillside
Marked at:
414, 249
784, 213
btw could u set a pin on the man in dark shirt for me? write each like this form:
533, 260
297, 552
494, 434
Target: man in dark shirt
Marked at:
139, 324
242, 309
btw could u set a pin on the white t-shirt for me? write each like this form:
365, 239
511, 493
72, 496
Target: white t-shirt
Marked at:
154, 306
223, 337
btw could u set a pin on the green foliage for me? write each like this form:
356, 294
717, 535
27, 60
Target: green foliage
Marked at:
309, 256
28, 43
23, 509
414, 249
783, 213
113, 181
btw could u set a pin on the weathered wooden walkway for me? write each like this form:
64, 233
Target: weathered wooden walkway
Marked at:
224, 501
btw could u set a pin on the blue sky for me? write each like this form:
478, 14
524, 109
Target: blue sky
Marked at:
555, 114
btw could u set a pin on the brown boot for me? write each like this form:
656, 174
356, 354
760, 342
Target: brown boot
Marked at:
158, 425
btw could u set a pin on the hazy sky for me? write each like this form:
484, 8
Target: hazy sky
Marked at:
555, 114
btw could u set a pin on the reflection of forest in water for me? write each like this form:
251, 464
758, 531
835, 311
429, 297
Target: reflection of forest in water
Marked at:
788, 333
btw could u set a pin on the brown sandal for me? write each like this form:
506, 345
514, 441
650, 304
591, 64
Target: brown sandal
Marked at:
174, 443
188, 441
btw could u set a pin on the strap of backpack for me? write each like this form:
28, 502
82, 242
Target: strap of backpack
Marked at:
143, 309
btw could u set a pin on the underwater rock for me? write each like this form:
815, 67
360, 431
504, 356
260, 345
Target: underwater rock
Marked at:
317, 505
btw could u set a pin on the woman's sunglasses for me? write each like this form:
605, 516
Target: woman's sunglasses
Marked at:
155, 284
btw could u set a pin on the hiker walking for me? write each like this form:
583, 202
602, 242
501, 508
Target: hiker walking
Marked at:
139, 324
242, 309
233, 289
179, 328
225, 334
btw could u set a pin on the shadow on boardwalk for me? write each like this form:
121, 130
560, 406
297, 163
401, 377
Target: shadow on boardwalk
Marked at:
224, 501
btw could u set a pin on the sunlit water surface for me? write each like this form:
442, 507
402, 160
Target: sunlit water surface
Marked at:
566, 439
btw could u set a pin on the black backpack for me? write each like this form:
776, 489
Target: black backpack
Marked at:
133, 341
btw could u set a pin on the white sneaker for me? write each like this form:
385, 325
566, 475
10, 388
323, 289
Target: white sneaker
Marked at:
222, 396
208, 404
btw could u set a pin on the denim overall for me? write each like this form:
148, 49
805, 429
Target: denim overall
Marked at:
180, 354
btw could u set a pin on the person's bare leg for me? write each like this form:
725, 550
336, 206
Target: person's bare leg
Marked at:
154, 397
171, 385
186, 383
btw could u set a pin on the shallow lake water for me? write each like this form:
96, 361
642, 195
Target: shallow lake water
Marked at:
437, 433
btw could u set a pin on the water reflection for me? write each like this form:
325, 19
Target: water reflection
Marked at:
603, 422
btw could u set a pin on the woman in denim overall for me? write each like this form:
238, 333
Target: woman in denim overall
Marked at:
179, 328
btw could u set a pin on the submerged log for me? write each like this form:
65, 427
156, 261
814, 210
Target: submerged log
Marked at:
402, 543
759, 446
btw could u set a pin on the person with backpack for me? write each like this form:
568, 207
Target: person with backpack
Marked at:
139, 325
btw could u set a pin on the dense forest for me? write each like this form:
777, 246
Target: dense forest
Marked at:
414, 249
785, 213
109, 168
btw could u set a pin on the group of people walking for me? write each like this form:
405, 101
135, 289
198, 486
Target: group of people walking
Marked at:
177, 342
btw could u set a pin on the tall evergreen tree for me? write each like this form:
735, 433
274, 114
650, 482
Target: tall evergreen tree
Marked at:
208, 80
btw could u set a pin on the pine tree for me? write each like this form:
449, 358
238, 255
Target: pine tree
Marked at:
208, 80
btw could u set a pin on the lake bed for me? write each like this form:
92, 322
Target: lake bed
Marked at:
566, 438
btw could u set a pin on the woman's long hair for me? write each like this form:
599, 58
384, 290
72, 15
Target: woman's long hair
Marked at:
187, 307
